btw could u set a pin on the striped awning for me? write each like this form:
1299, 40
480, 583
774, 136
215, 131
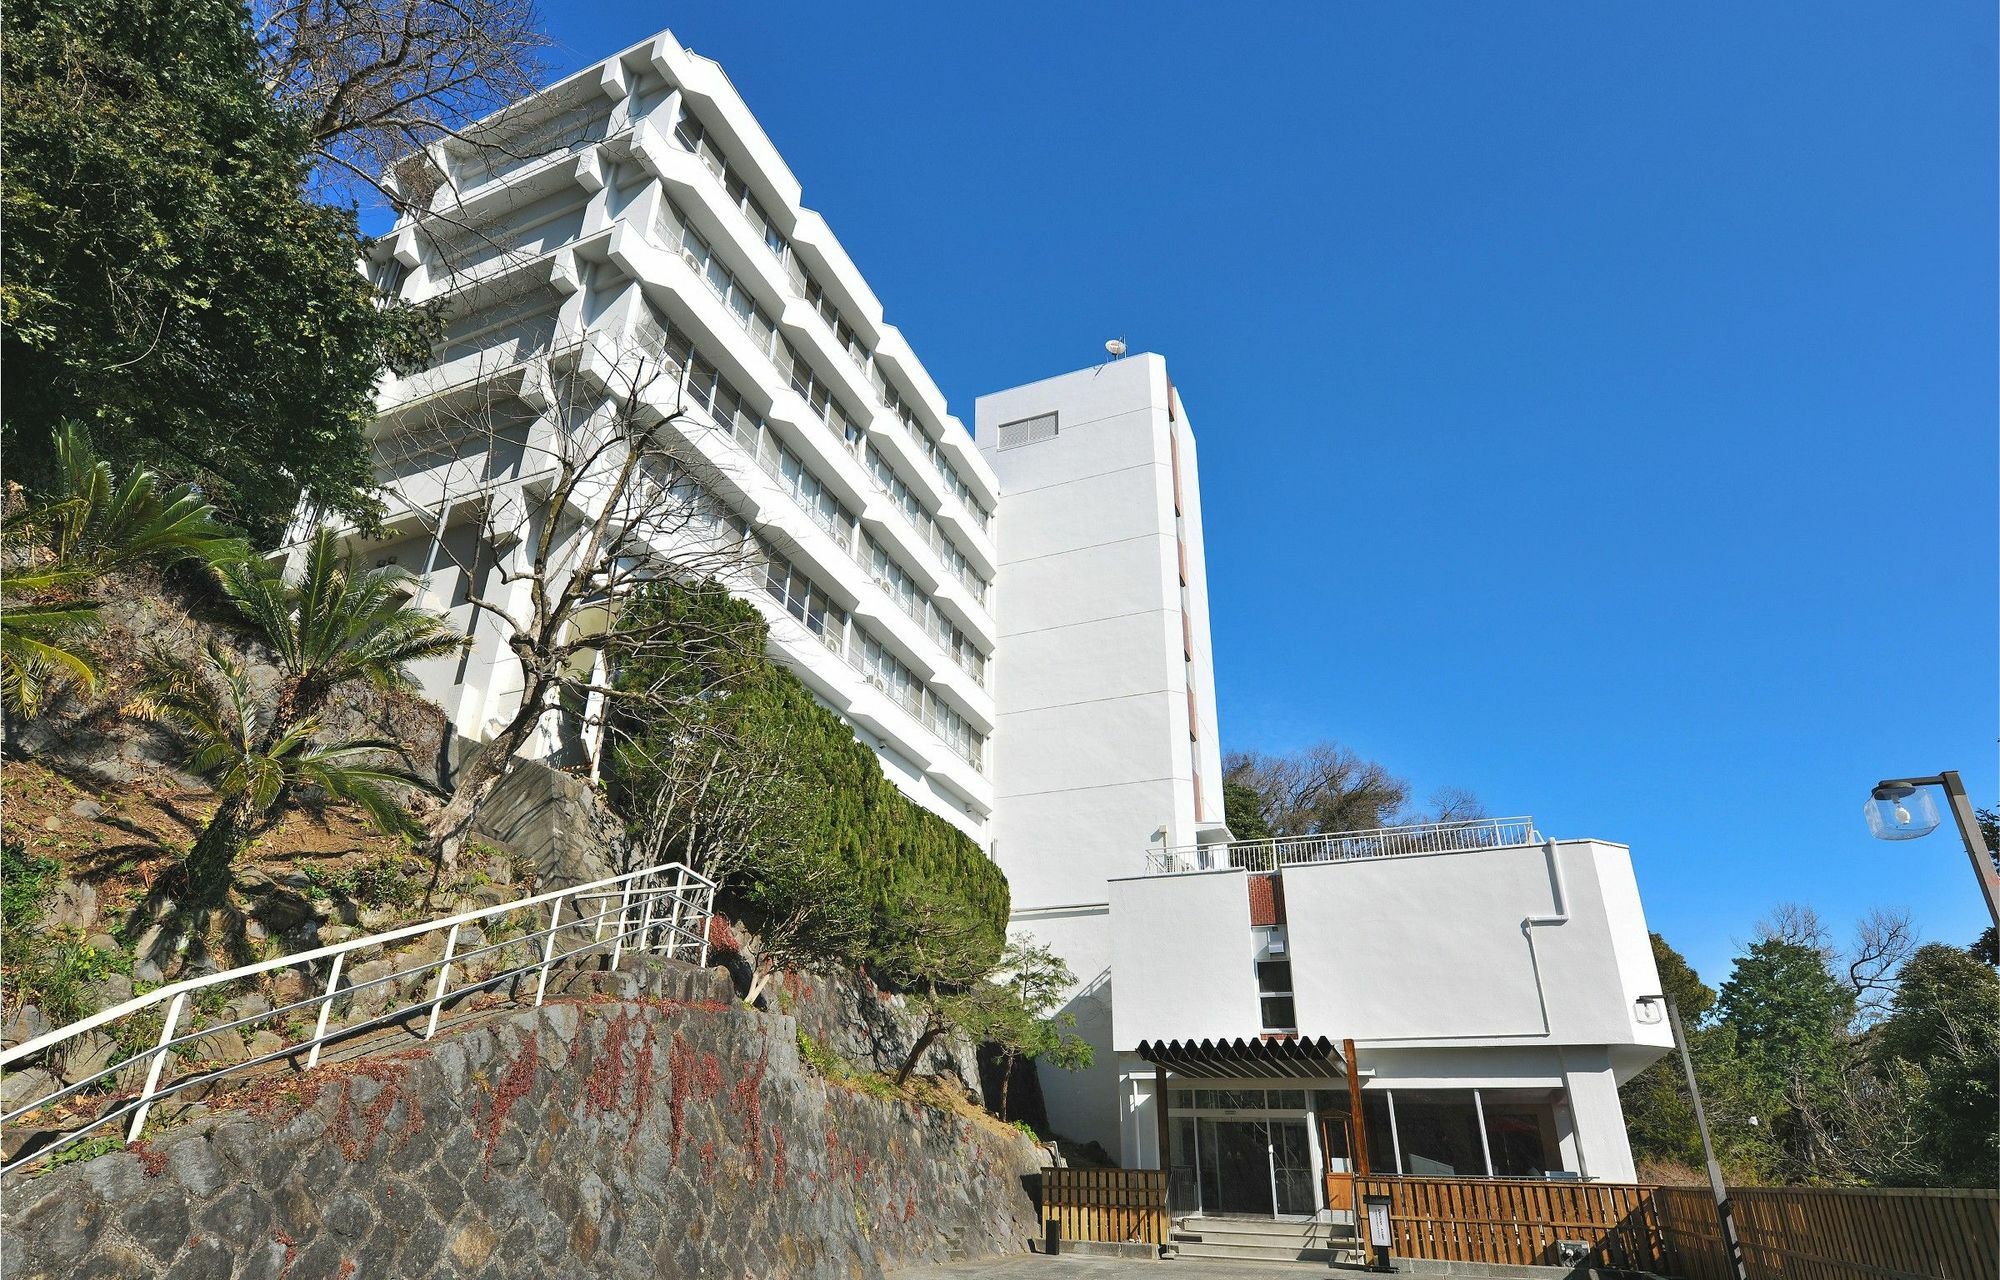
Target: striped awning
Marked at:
1294, 1058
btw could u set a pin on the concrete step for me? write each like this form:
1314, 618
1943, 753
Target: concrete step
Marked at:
1242, 1252
1263, 1240
1261, 1231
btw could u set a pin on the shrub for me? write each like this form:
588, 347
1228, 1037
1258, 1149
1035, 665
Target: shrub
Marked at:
823, 1060
57, 975
845, 806
25, 884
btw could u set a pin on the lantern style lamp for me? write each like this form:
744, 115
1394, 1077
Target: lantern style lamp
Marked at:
1903, 809
1899, 811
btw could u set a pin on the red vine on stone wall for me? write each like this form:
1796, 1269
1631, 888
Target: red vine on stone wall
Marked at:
513, 1086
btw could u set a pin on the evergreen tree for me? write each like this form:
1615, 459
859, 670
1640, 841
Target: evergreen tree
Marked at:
1243, 810
843, 807
164, 280
1942, 1037
1788, 1018
1659, 1115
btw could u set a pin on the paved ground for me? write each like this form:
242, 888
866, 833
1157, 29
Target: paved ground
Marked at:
1036, 1267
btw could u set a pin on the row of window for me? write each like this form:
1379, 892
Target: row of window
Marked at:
886, 672
511, 330
808, 491
677, 237
674, 231
695, 137
587, 125
1192, 1099
906, 500
903, 589
707, 387
567, 131
808, 602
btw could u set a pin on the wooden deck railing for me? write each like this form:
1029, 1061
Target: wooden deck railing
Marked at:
1788, 1233
1121, 1206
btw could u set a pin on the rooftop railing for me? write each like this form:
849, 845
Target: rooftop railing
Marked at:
1344, 846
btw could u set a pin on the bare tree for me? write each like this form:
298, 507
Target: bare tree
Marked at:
1882, 940
1324, 788
556, 491
375, 80
1801, 926
1447, 804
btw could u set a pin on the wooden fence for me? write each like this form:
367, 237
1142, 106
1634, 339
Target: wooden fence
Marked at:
1116, 1205
1518, 1222
1788, 1233
1826, 1233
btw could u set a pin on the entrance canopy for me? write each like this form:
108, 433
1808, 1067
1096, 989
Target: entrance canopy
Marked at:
1313, 1058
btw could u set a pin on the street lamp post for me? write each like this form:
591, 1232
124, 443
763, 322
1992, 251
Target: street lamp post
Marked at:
1902, 809
1725, 1209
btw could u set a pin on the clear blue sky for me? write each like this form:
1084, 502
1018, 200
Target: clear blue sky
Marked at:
1596, 401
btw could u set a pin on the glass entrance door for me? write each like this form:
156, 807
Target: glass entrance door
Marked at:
1249, 1152
1292, 1167
1238, 1178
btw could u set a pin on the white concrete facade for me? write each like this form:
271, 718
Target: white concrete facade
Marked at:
637, 211
1519, 971
1105, 716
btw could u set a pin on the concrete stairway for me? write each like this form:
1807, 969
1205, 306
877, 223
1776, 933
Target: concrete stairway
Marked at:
1264, 1240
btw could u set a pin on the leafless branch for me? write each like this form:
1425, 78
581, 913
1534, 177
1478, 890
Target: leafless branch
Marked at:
377, 79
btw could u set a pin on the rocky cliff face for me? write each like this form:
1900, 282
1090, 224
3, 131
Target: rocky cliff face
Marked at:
654, 1128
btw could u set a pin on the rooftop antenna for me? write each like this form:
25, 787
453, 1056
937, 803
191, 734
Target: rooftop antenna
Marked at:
1116, 347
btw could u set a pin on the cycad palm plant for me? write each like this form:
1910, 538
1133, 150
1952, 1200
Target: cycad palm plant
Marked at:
58, 549
334, 625
255, 763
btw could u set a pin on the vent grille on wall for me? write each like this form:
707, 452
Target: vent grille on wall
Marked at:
1027, 431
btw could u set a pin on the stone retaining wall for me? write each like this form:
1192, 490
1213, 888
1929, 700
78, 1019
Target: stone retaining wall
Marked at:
656, 1128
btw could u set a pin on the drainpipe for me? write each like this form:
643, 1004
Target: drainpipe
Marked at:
1559, 884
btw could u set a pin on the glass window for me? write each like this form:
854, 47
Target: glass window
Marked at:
1521, 1136
1274, 977
1440, 1134
1286, 1100
1279, 1013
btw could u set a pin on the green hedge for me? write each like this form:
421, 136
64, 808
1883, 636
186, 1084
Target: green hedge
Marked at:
847, 806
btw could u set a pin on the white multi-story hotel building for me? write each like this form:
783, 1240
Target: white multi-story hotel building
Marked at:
636, 212
1019, 627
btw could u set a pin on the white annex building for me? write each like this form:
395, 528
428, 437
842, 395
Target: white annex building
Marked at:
1017, 620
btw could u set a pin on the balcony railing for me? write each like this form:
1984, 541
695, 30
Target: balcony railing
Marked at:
795, 275
1344, 846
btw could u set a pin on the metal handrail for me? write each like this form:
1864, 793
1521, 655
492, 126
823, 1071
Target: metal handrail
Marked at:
1340, 846
687, 896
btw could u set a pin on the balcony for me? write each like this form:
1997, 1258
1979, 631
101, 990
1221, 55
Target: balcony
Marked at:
1344, 846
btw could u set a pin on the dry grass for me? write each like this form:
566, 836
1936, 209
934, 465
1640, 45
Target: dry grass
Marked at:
144, 830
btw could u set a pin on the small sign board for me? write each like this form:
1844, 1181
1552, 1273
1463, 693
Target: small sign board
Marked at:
1378, 1221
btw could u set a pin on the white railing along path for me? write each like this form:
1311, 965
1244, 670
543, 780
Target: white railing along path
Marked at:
662, 910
